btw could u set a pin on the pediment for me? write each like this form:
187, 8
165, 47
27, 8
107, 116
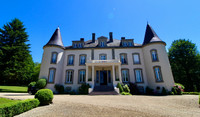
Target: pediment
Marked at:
102, 37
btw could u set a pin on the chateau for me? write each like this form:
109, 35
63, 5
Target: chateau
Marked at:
105, 61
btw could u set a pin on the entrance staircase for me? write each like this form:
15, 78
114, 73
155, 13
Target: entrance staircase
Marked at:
103, 90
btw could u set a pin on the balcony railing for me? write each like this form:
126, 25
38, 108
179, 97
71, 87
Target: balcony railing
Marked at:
103, 61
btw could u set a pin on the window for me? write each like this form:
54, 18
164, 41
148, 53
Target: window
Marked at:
70, 59
123, 58
52, 72
125, 75
80, 45
136, 58
69, 76
102, 44
154, 55
54, 57
130, 44
102, 57
82, 59
138, 75
158, 75
125, 44
75, 45
81, 76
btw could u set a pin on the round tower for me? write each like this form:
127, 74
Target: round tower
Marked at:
52, 60
158, 69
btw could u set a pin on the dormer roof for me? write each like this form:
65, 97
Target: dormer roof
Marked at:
56, 38
150, 35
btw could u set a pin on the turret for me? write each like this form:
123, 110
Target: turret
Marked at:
158, 69
52, 60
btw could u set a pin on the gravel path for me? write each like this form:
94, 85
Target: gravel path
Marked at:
137, 106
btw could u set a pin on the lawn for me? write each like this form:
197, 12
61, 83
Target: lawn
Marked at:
14, 89
5, 100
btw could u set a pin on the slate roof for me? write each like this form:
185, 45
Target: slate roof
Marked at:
115, 43
56, 38
150, 35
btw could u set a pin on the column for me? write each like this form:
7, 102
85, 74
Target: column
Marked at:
86, 73
92, 76
120, 76
113, 69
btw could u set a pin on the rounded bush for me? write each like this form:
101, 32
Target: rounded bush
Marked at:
41, 83
31, 84
45, 96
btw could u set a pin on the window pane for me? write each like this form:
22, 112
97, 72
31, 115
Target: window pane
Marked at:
158, 74
71, 60
123, 59
82, 60
136, 58
125, 75
154, 55
69, 76
53, 59
138, 74
51, 75
82, 76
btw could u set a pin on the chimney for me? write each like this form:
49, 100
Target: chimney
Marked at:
111, 36
93, 37
122, 38
81, 39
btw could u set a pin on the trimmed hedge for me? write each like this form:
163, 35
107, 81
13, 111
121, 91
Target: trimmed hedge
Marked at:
83, 89
14, 108
190, 93
31, 84
120, 87
45, 96
41, 83
125, 93
59, 88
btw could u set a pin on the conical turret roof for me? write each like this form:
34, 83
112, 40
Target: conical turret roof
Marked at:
56, 38
150, 35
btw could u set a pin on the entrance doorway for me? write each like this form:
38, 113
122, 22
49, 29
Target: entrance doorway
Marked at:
103, 77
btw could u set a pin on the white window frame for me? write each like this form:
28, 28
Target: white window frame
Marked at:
138, 75
82, 76
125, 75
69, 76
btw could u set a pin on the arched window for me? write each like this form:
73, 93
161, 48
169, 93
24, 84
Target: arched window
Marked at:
138, 75
54, 57
136, 58
81, 76
52, 72
125, 75
70, 60
158, 73
154, 55
123, 58
69, 76
82, 59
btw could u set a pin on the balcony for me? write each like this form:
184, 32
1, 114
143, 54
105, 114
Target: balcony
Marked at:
103, 62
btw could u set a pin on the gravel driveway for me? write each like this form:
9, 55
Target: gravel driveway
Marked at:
141, 106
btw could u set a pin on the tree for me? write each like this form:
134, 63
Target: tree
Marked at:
36, 72
184, 60
16, 63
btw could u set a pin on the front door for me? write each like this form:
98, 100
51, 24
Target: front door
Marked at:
103, 77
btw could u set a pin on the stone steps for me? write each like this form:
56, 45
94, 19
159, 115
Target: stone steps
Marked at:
103, 90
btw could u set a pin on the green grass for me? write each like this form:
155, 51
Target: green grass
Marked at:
14, 89
5, 100
190, 93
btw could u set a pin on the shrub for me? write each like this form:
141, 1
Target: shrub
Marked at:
177, 90
179, 84
149, 91
125, 93
199, 99
83, 89
126, 88
41, 83
59, 88
32, 84
14, 108
120, 87
164, 91
45, 96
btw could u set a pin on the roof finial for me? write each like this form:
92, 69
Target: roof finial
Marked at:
58, 27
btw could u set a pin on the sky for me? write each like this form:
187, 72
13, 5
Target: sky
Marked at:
171, 19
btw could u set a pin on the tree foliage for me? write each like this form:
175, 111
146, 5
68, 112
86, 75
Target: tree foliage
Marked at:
16, 63
185, 61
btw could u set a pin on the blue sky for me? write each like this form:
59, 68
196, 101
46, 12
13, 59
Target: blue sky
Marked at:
171, 19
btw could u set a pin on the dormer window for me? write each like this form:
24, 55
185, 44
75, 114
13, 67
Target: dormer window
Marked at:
130, 44
125, 44
75, 45
80, 45
102, 44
